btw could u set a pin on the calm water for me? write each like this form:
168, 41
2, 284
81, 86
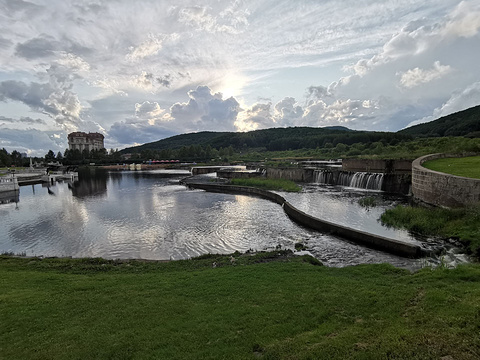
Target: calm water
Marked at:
341, 205
149, 215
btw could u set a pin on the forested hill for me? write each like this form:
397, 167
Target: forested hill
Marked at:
274, 139
462, 123
178, 141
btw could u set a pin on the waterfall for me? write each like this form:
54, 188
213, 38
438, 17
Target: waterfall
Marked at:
324, 177
360, 180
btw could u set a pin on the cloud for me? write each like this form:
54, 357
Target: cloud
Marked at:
206, 111
130, 133
464, 20
25, 120
55, 98
259, 116
150, 111
460, 100
232, 20
401, 80
417, 76
287, 111
355, 114
94, 64
33, 142
149, 47
45, 46
5, 43
73, 63
318, 92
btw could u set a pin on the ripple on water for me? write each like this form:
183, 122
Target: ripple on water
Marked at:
130, 215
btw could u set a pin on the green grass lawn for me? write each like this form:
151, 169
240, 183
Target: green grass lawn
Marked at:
467, 166
268, 184
288, 309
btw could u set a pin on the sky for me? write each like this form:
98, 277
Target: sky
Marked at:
140, 71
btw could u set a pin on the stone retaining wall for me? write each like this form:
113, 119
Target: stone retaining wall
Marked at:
371, 165
357, 236
442, 189
293, 174
237, 174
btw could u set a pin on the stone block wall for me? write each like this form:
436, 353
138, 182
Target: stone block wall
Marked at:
293, 174
442, 189
371, 165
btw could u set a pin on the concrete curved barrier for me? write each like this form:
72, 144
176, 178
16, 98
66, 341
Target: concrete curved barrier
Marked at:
371, 240
441, 189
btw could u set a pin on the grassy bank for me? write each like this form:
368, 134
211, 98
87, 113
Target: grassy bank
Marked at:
462, 224
268, 184
467, 166
257, 308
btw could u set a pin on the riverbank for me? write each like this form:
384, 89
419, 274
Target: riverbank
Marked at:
244, 308
459, 225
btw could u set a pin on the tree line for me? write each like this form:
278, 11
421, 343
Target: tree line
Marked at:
102, 156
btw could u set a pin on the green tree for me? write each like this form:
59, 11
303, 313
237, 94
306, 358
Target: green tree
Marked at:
5, 158
50, 156
16, 158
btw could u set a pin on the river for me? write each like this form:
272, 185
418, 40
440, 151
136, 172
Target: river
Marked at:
149, 215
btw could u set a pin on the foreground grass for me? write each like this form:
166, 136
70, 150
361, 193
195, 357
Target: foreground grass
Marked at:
462, 223
467, 166
268, 184
98, 309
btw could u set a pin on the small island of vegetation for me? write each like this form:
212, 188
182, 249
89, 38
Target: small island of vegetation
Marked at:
268, 184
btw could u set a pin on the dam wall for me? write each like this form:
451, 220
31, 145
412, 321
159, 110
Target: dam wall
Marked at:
293, 174
376, 165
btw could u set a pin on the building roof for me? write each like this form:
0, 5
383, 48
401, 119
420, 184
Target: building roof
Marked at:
88, 136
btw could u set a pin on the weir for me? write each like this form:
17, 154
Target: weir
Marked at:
360, 180
371, 240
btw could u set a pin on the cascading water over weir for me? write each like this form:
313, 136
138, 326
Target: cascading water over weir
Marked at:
360, 180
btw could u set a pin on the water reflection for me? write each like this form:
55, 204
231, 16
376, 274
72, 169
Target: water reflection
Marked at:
8, 197
147, 215
341, 206
93, 183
